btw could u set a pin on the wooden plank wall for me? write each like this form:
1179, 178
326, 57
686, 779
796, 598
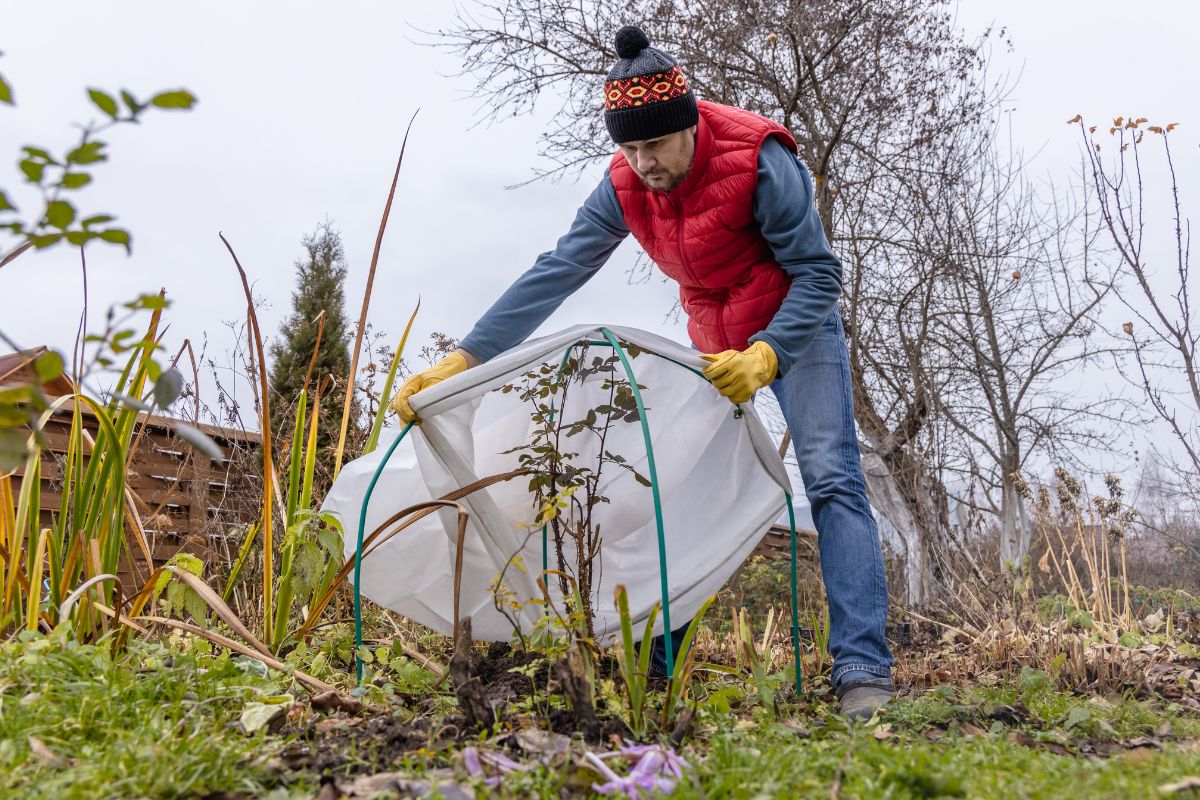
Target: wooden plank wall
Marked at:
186, 503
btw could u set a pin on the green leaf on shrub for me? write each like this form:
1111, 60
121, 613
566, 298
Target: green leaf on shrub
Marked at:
87, 153
60, 213
12, 416
79, 237
167, 388
33, 170
76, 180
132, 102
38, 154
104, 102
177, 99
5, 205
116, 236
44, 240
96, 220
21, 393
5, 91
48, 365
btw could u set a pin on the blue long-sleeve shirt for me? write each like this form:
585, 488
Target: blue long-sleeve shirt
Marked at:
787, 219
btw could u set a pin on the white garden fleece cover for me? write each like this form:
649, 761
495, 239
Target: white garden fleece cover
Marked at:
721, 482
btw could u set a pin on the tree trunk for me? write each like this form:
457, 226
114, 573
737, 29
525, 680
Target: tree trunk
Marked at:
886, 497
1014, 527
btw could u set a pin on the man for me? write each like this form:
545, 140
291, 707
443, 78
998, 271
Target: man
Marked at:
717, 198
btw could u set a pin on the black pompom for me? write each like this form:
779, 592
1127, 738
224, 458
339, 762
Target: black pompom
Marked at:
630, 41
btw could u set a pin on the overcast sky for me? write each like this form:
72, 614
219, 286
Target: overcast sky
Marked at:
301, 114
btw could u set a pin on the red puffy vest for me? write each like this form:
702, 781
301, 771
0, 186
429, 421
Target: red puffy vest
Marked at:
703, 233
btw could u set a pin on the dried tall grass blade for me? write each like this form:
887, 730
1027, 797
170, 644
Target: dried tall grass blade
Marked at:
241, 649
270, 480
121, 618
459, 540
64, 609
362, 317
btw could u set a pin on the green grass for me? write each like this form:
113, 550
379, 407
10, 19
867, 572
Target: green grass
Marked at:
157, 722
910, 767
148, 723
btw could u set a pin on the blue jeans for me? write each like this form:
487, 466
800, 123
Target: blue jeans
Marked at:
818, 406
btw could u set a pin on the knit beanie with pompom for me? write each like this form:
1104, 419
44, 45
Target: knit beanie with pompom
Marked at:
645, 94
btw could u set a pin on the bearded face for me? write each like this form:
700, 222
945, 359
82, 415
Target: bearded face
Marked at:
663, 162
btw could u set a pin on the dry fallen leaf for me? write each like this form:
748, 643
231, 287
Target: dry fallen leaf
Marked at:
332, 701
1190, 782
45, 755
540, 742
1022, 738
797, 728
333, 723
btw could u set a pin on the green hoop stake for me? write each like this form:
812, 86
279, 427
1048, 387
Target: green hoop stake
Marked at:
658, 515
795, 597
362, 523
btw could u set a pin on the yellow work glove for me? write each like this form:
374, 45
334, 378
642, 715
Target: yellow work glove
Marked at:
738, 374
448, 367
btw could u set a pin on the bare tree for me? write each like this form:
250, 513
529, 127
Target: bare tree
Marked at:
892, 232
1164, 337
1017, 330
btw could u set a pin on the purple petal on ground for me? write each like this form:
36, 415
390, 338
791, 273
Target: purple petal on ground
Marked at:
649, 765
472, 763
502, 762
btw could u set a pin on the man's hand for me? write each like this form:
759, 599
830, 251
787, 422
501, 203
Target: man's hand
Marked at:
451, 365
738, 374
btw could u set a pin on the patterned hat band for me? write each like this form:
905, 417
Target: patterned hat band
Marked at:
641, 90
